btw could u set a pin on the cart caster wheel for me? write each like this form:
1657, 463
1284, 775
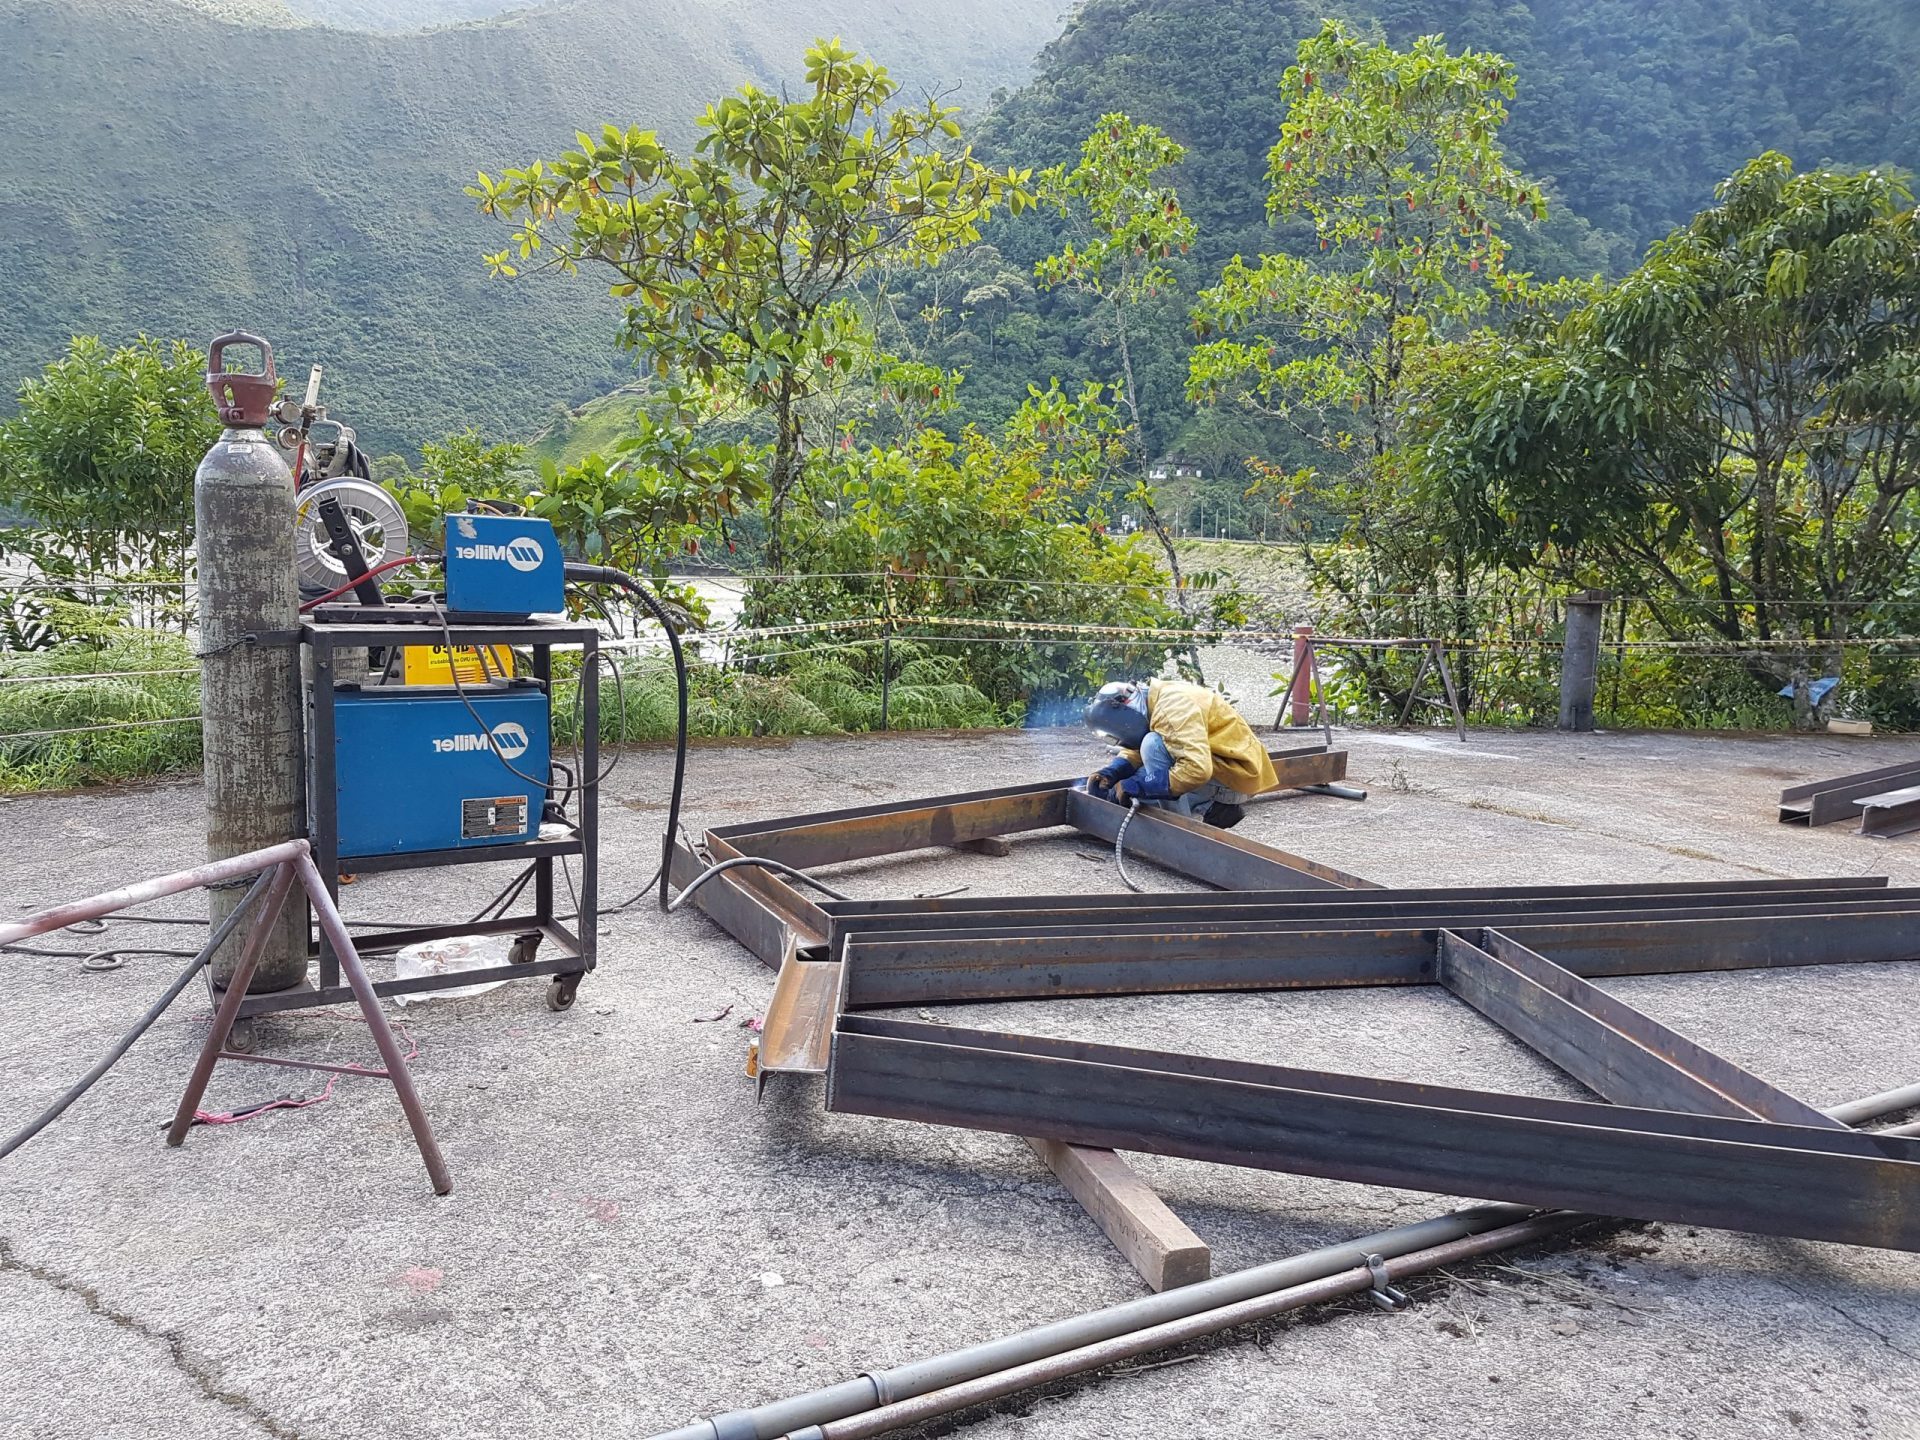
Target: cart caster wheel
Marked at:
525, 947
244, 1037
561, 991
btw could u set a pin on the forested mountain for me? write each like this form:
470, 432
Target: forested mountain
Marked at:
170, 170
1630, 111
166, 170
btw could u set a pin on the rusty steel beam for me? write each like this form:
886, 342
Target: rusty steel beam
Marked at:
764, 914
1614, 1050
1343, 910
836, 837
797, 1031
921, 968
1211, 900
1822, 802
1201, 852
1789, 1180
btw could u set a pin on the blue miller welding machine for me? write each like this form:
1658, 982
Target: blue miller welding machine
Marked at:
406, 777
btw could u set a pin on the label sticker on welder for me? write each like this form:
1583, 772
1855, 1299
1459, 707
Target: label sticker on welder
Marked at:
500, 815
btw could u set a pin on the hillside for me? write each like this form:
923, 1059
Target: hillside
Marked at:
1631, 112
171, 172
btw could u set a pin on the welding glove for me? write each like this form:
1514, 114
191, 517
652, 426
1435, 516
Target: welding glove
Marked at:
1152, 779
1102, 781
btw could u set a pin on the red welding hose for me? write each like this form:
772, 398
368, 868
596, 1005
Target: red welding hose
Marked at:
376, 571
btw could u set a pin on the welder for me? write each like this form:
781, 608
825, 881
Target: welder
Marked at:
1183, 748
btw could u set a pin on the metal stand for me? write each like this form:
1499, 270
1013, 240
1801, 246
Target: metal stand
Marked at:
215, 1049
279, 869
1433, 659
572, 950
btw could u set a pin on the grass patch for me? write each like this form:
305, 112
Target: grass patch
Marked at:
92, 689
125, 697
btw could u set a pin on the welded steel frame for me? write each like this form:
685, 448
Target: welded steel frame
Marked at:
1678, 1132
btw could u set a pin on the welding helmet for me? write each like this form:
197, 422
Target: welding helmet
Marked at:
1119, 712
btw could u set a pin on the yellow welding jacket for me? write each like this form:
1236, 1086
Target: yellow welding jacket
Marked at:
1207, 739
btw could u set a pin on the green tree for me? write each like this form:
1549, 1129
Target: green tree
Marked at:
1001, 526
452, 471
101, 455
1125, 224
1732, 430
1389, 164
737, 261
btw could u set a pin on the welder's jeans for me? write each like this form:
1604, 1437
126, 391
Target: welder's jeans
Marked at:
1158, 759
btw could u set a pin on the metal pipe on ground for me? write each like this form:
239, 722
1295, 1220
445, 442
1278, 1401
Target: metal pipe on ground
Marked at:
1887, 1102
885, 1387
804, 1417
1354, 1281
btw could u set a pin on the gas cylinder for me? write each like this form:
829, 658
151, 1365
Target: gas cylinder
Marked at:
250, 703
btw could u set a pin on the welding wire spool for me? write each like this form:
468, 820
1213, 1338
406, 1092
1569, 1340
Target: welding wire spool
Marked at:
375, 517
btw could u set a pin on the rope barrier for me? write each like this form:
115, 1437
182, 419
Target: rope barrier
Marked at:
966, 630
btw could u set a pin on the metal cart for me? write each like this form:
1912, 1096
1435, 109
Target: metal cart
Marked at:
543, 942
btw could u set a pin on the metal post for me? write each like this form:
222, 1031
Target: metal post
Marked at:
250, 678
886, 646
1300, 693
1580, 659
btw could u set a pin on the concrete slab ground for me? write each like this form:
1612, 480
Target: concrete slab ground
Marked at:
633, 1243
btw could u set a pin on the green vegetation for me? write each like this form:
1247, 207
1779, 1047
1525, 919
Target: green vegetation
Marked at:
1730, 428
1628, 114
128, 697
829, 693
97, 467
1403, 298
735, 263
594, 428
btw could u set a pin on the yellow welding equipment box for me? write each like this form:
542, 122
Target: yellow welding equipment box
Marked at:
427, 665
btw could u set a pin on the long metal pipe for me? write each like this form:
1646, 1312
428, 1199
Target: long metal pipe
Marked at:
1887, 1102
1353, 1281
235, 867
797, 1415
885, 1387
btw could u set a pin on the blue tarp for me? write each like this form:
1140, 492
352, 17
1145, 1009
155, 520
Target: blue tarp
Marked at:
1817, 690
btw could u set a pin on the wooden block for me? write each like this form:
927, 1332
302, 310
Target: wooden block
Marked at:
1154, 1239
987, 845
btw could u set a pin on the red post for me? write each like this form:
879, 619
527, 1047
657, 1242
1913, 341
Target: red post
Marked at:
1300, 696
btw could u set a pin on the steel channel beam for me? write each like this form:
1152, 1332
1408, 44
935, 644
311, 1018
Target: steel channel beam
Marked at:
1210, 899
1378, 907
838, 837
740, 908
1896, 812
892, 807
1822, 802
1614, 1050
796, 1035
1201, 852
918, 970
1837, 1185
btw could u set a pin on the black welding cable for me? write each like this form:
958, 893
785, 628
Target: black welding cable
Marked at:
607, 575
758, 862
125, 1043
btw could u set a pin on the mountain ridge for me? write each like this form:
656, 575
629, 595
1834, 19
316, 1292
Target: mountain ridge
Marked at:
176, 173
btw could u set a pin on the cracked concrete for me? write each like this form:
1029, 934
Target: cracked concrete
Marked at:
633, 1243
